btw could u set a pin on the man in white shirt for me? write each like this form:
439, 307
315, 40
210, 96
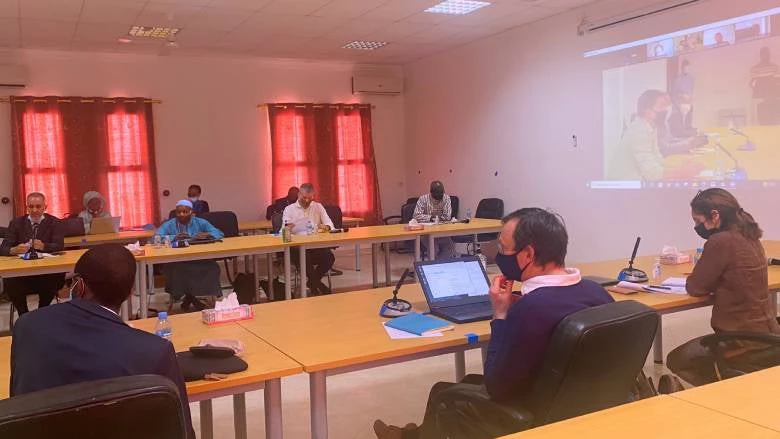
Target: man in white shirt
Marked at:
305, 217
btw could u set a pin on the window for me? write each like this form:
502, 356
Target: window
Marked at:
352, 169
44, 158
291, 164
129, 189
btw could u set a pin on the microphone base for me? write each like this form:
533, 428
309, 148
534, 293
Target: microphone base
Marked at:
31, 256
748, 146
632, 275
399, 308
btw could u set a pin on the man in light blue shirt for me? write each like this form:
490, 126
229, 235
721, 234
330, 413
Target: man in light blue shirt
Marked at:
191, 278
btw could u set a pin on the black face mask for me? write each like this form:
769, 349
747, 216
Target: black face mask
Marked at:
508, 266
704, 232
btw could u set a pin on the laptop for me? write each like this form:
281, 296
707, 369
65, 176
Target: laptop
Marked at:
456, 289
109, 224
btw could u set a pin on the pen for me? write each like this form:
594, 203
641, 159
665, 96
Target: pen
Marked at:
660, 287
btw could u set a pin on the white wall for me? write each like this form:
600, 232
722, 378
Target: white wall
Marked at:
208, 129
510, 104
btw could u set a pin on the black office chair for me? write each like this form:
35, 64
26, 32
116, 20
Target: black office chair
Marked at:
132, 407
227, 223
455, 203
724, 355
407, 213
336, 215
592, 363
73, 226
489, 208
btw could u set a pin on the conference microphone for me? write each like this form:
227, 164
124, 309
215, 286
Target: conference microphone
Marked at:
31, 254
463, 221
773, 261
749, 145
739, 174
739, 133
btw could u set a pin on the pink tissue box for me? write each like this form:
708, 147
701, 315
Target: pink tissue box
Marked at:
213, 316
680, 258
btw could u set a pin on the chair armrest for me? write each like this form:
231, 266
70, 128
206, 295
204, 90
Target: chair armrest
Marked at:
394, 217
465, 411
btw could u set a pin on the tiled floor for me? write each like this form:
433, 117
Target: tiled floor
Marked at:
396, 393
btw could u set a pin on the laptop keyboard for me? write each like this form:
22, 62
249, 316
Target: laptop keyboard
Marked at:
464, 312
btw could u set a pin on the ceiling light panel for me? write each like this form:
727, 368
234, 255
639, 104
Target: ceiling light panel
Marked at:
457, 7
364, 45
153, 32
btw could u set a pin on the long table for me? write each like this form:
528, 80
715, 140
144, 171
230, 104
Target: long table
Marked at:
266, 367
658, 417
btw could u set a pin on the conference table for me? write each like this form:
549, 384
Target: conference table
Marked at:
662, 416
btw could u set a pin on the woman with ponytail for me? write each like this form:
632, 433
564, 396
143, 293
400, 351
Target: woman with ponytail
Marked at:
733, 267
733, 270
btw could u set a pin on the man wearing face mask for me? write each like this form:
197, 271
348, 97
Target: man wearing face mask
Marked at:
432, 206
94, 207
532, 250
638, 156
191, 278
48, 237
198, 206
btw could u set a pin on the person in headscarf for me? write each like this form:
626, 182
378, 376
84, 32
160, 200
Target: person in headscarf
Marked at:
94, 207
191, 278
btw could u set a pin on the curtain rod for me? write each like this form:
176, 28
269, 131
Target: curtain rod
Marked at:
7, 100
373, 107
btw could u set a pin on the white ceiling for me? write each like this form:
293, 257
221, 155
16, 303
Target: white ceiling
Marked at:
307, 29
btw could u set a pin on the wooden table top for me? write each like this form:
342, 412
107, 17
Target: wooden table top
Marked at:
658, 417
253, 244
126, 236
15, 266
246, 226
753, 397
265, 362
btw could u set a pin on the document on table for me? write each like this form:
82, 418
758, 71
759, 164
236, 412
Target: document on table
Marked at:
664, 289
674, 282
397, 334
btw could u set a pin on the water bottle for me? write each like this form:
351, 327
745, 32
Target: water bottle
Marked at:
436, 220
657, 269
163, 328
468, 213
481, 256
167, 241
157, 241
286, 234
310, 228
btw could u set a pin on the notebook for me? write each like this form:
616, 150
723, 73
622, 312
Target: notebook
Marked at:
419, 324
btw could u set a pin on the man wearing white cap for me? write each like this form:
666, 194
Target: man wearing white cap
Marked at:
192, 278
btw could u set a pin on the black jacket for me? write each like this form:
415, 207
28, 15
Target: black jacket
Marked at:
20, 230
79, 341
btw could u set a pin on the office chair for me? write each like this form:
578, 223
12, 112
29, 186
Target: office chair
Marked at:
455, 204
227, 223
724, 355
488, 208
337, 216
73, 226
407, 213
592, 363
131, 407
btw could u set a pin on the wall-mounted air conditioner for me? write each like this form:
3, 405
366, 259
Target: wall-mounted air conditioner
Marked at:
13, 76
377, 85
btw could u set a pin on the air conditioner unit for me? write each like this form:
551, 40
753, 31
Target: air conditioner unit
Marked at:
13, 76
377, 85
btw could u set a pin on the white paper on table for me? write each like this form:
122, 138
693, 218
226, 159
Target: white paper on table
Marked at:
674, 282
648, 289
397, 334
40, 255
302, 226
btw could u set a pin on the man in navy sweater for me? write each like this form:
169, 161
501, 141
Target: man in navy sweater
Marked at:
532, 250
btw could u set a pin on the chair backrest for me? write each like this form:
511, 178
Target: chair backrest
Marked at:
3, 232
224, 220
73, 226
412, 200
455, 202
276, 222
132, 407
592, 361
489, 208
335, 214
407, 212
172, 214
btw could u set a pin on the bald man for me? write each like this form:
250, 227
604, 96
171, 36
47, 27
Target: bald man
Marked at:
49, 237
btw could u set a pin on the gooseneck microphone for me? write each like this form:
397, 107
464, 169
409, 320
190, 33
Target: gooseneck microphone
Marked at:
31, 253
396, 307
632, 274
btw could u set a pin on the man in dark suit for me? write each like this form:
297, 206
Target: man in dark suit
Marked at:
85, 339
281, 203
49, 237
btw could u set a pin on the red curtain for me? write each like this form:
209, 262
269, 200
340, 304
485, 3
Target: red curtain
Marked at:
65, 146
330, 146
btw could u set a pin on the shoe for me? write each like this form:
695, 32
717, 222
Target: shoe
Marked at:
384, 431
323, 288
669, 384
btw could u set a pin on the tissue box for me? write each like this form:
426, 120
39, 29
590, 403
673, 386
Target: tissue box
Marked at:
674, 259
213, 316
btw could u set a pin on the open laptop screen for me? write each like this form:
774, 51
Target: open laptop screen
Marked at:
454, 280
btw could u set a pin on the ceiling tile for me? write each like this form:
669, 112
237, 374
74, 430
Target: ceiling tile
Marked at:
182, 2
101, 11
219, 19
491, 13
46, 30
87, 46
252, 5
312, 27
162, 14
398, 9
63, 10
361, 29
94, 32
266, 23
425, 17
301, 7
196, 37
9, 8
347, 8
436, 34
398, 30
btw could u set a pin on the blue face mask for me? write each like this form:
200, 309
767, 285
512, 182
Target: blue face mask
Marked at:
508, 266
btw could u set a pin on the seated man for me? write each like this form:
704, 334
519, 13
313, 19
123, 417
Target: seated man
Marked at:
191, 278
532, 250
49, 237
301, 218
279, 205
435, 205
198, 206
94, 207
85, 339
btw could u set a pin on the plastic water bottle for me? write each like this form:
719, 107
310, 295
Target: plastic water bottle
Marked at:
286, 234
468, 213
163, 328
167, 241
481, 256
657, 269
157, 241
310, 228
